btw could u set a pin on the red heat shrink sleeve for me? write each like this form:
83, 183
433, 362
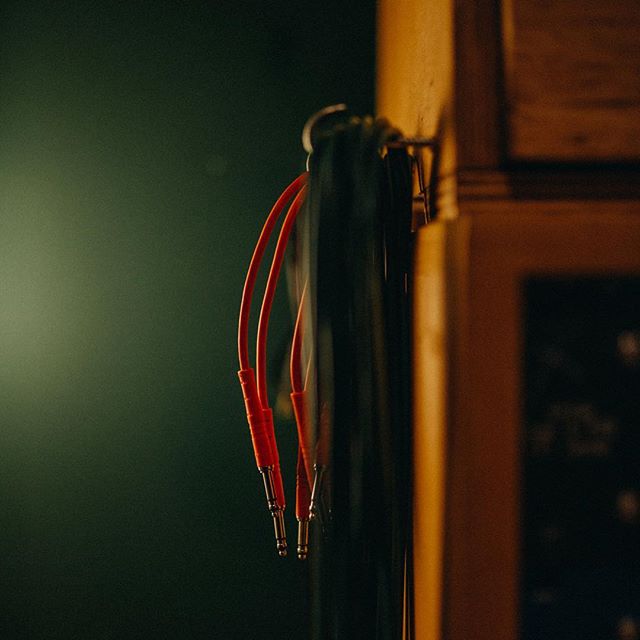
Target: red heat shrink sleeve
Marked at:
260, 420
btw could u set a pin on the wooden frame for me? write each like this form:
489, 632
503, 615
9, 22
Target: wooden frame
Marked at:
468, 390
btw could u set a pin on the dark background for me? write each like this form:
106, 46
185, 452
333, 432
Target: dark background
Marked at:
141, 146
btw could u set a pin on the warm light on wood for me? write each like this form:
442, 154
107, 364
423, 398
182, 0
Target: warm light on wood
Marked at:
430, 404
469, 277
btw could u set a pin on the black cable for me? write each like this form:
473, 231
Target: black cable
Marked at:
359, 209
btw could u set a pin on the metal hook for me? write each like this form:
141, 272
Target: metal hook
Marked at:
426, 190
307, 130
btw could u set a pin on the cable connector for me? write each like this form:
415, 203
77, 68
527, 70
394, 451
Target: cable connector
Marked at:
315, 491
263, 439
303, 539
276, 511
302, 507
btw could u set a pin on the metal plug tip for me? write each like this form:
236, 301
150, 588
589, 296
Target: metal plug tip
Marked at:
303, 539
280, 532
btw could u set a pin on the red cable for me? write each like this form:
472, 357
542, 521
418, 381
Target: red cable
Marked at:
254, 266
269, 294
260, 420
259, 416
263, 327
303, 490
298, 392
298, 401
255, 395
295, 363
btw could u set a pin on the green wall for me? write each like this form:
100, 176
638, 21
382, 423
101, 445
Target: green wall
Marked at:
141, 145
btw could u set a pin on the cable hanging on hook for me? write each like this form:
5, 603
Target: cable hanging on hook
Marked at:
348, 366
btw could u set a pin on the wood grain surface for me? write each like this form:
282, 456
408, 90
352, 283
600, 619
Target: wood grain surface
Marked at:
572, 79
